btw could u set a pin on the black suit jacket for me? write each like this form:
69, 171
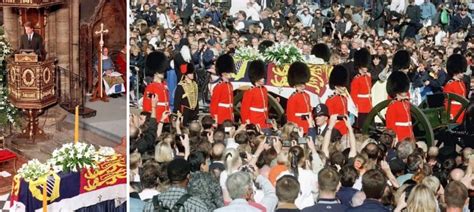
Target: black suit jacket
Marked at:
35, 44
335, 135
188, 10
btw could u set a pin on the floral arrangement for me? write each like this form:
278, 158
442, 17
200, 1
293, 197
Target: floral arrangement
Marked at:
74, 157
33, 170
247, 54
282, 54
8, 113
104, 153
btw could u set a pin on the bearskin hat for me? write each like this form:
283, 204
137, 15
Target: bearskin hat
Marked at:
401, 60
156, 62
256, 70
298, 74
264, 46
456, 64
186, 68
322, 51
362, 58
339, 77
225, 64
397, 82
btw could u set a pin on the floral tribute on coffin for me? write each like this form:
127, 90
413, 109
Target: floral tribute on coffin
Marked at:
78, 175
278, 59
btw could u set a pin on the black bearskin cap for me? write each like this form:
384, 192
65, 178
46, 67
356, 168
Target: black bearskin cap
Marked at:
156, 62
298, 74
456, 64
339, 77
397, 82
256, 70
401, 60
225, 64
322, 51
362, 58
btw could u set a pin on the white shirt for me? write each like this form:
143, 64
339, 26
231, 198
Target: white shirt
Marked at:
438, 37
398, 6
358, 184
165, 21
308, 185
252, 12
148, 193
238, 205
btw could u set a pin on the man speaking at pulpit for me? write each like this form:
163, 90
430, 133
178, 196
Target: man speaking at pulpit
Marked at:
31, 41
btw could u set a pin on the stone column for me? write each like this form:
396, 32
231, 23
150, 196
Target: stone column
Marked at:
62, 36
12, 26
75, 35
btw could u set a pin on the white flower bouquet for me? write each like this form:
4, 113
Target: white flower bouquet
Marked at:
247, 54
33, 170
73, 157
282, 54
104, 153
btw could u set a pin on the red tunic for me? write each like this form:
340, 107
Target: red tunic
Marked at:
298, 105
398, 119
455, 87
161, 92
122, 66
254, 106
337, 104
222, 102
360, 93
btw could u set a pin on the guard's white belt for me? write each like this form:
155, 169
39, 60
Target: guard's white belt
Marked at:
455, 103
403, 124
225, 105
162, 104
259, 110
302, 114
363, 95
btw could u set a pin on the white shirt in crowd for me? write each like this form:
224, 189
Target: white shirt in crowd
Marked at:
148, 193
398, 6
165, 21
438, 37
308, 185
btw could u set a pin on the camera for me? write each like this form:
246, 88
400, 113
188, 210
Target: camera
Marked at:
340, 117
286, 143
151, 95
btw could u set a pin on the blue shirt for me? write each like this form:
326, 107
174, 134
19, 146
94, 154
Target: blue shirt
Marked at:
326, 205
345, 194
368, 206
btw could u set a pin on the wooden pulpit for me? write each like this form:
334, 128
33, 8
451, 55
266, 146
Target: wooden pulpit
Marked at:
31, 86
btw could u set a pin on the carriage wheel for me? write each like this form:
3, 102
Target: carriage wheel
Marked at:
276, 110
421, 125
451, 97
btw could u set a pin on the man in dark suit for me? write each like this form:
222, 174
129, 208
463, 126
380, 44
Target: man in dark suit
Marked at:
185, 10
32, 40
321, 117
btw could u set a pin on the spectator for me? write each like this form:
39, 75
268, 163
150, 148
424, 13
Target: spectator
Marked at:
456, 195
178, 173
328, 181
348, 177
374, 184
287, 190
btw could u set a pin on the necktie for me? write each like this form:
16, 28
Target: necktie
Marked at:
319, 131
29, 37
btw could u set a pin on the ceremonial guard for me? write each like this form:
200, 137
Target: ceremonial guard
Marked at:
222, 99
361, 85
456, 66
298, 108
337, 103
398, 116
156, 65
186, 95
254, 108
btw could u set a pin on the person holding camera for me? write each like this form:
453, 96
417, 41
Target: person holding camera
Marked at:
254, 107
156, 65
298, 108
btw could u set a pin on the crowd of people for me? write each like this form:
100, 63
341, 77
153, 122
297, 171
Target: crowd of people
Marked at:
190, 151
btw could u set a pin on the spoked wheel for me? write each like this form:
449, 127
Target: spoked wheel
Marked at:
421, 126
276, 110
450, 98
